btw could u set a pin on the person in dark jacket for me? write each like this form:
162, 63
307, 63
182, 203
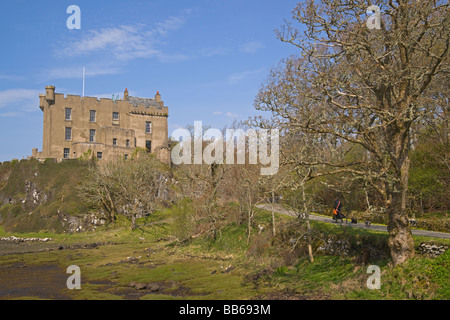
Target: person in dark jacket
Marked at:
337, 210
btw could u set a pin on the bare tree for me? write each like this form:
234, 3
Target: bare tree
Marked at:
127, 187
366, 87
273, 185
249, 190
98, 188
201, 183
138, 184
296, 148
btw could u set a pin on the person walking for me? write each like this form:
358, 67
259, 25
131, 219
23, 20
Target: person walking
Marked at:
337, 210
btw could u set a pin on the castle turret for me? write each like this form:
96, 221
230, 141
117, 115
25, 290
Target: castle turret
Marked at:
50, 94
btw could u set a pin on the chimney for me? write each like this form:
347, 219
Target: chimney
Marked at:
157, 97
50, 94
125, 94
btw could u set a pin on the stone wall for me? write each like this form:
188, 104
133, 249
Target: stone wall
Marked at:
431, 249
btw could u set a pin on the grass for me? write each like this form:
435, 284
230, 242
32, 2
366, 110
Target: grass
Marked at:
55, 182
227, 268
107, 270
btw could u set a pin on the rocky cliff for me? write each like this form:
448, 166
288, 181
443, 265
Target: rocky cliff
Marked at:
37, 196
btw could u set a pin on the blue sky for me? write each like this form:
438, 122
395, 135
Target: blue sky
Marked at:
207, 58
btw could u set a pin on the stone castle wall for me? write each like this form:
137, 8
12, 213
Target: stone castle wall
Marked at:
74, 125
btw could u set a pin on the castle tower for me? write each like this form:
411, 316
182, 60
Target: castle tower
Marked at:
50, 94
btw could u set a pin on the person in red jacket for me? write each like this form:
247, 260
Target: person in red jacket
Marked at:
337, 210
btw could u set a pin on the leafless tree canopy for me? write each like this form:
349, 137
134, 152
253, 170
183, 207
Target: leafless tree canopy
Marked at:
355, 87
132, 188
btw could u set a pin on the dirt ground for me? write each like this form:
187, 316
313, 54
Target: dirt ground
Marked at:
48, 281
19, 280
22, 281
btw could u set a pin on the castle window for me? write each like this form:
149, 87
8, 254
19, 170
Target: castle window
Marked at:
68, 114
128, 143
99, 155
126, 157
115, 116
148, 127
68, 134
92, 115
148, 146
91, 135
66, 153
114, 142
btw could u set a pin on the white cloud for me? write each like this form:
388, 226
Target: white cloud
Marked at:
19, 99
211, 52
123, 43
232, 115
227, 114
127, 42
252, 47
11, 78
176, 126
235, 78
77, 72
170, 24
11, 114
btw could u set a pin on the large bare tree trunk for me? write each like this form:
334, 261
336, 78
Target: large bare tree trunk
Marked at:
401, 243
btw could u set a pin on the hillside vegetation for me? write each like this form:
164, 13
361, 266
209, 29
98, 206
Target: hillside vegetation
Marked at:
195, 246
38, 196
150, 262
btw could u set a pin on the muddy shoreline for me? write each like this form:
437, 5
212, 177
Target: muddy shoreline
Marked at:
19, 280
8, 247
47, 281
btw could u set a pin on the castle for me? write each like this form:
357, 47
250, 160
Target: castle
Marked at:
102, 128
